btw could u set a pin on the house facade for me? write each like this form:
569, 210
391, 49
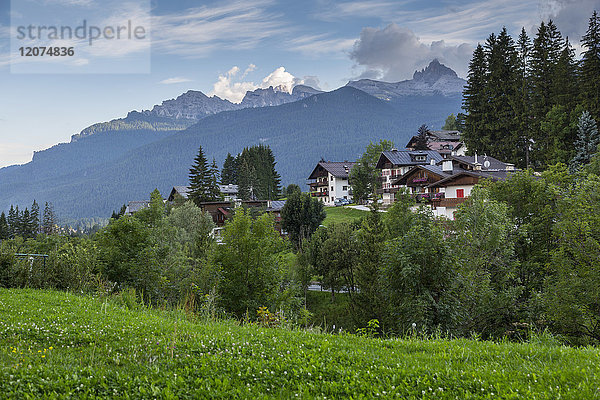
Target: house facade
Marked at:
395, 163
329, 181
449, 183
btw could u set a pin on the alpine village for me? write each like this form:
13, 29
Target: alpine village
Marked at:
312, 244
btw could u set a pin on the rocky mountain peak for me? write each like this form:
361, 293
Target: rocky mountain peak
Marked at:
433, 72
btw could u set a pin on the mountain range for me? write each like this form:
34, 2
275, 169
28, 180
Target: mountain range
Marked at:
109, 163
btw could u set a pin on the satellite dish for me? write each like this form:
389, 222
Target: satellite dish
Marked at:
486, 164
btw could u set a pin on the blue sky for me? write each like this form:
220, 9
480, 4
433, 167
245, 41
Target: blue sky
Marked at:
227, 47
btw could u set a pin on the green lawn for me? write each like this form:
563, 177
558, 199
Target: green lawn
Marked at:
57, 345
342, 214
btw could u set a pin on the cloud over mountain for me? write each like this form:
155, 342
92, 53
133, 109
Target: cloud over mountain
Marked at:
230, 87
394, 53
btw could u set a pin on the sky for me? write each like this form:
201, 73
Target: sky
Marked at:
227, 47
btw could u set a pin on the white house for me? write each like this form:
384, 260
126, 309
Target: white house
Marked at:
329, 181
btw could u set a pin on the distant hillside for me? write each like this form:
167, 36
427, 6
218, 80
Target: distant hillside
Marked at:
111, 163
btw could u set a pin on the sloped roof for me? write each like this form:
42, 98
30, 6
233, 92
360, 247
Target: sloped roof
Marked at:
135, 206
494, 164
276, 205
431, 168
406, 157
180, 190
337, 169
452, 136
493, 175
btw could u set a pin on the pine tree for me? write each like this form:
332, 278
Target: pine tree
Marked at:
49, 220
590, 67
545, 55
522, 101
201, 181
259, 174
214, 190
501, 90
422, 140
4, 228
26, 228
272, 178
12, 221
17, 225
35, 218
587, 141
247, 180
475, 101
229, 172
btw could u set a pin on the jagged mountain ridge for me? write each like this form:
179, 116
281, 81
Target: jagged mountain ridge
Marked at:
435, 79
193, 105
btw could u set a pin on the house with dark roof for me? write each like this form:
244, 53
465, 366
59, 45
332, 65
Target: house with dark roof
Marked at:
135, 206
329, 181
395, 163
229, 192
448, 184
445, 142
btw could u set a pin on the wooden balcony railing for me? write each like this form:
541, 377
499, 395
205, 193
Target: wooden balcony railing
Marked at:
453, 202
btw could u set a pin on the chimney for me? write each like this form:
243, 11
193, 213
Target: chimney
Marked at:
447, 166
432, 162
475, 158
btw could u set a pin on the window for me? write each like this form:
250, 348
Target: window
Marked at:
421, 158
332, 188
460, 193
344, 187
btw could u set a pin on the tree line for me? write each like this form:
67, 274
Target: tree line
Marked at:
253, 170
524, 98
27, 223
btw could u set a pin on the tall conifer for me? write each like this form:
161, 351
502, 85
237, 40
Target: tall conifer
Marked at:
202, 182
590, 67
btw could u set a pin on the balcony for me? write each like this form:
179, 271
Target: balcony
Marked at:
319, 194
314, 185
452, 203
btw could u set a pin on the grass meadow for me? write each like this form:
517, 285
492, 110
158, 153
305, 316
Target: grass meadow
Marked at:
60, 345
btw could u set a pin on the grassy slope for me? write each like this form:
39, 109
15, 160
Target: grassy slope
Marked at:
55, 345
342, 214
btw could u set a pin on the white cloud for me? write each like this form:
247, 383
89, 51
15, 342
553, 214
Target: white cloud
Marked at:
229, 87
251, 68
175, 80
319, 45
226, 88
394, 53
280, 78
571, 16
